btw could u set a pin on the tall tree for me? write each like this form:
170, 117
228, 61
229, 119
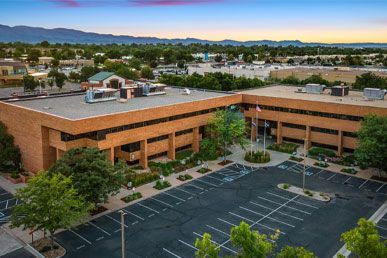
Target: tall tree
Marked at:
206, 249
60, 79
228, 128
372, 146
251, 244
295, 252
147, 72
369, 80
48, 203
364, 240
93, 175
29, 83
10, 156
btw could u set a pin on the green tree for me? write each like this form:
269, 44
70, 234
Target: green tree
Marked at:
147, 72
128, 73
45, 44
206, 249
208, 149
250, 243
93, 175
295, 252
50, 83
372, 146
33, 55
60, 79
29, 83
364, 240
315, 78
218, 58
10, 156
54, 63
87, 72
48, 203
135, 63
369, 80
228, 128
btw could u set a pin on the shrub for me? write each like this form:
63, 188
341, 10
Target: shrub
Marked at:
184, 177
317, 151
162, 168
183, 154
208, 149
257, 157
298, 159
285, 186
287, 147
132, 197
15, 174
349, 170
309, 193
321, 164
161, 185
138, 179
203, 170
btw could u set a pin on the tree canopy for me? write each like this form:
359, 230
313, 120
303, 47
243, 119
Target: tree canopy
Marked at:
372, 146
93, 175
10, 156
206, 249
370, 80
48, 202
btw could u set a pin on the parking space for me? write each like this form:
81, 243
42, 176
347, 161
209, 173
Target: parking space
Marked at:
167, 224
348, 180
7, 201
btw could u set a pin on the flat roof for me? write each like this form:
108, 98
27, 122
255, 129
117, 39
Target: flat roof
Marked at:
74, 107
289, 92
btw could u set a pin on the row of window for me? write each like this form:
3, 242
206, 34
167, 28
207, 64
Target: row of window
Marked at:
101, 134
324, 130
305, 112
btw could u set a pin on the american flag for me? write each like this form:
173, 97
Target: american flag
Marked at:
254, 124
258, 109
267, 124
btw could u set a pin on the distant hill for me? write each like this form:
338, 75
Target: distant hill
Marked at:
60, 35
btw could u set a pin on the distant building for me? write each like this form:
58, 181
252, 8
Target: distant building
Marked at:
104, 80
45, 60
12, 71
77, 62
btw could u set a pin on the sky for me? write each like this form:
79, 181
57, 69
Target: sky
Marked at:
327, 21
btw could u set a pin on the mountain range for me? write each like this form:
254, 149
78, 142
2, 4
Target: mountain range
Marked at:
61, 35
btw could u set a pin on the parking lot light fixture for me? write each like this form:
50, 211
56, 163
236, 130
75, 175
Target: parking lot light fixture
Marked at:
122, 233
303, 172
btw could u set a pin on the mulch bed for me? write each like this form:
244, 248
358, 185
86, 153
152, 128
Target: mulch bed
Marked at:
98, 210
383, 179
43, 246
225, 162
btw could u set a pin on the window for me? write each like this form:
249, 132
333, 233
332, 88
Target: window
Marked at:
4, 72
325, 130
184, 132
303, 127
157, 139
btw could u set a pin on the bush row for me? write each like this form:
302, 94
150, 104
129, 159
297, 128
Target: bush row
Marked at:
257, 157
286, 147
138, 179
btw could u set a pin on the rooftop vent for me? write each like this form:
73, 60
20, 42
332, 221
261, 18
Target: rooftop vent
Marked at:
100, 95
339, 91
373, 93
314, 88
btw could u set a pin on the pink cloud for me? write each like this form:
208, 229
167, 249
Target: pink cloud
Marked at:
66, 3
171, 2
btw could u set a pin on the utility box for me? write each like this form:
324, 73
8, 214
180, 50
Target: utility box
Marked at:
373, 93
340, 91
314, 88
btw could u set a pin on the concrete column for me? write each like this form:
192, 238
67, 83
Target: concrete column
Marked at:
279, 132
196, 140
172, 146
307, 137
144, 153
340, 143
112, 155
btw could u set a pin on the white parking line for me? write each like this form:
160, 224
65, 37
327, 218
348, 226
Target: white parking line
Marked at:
195, 186
263, 206
218, 230
7, 200
92, 224
381, 227
146, 207
171, 253
229, 249
178, 188
100, 238
207, 182
185, 243
290, 207
321, 170
81, 237
119, 222
180, 199
79, 247
331, 177
228, 223
241, 217
135, 215
214, 178
302, 203
347, 180
260, 214
363, 183
157, 200
380, 188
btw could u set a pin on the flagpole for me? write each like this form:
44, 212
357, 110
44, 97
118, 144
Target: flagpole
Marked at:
251, 139
256, 117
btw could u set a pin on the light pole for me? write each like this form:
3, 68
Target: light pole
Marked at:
303, 173
122, 233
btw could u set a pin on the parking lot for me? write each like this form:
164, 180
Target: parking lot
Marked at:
382, 227
324, 174
166, 225
7, 201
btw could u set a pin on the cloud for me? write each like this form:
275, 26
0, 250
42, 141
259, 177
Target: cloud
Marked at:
66, 3
171, 2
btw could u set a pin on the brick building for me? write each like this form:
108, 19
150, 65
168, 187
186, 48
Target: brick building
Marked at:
142, 128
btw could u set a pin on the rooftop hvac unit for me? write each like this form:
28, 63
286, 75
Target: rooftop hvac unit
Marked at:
373, 93
314, 88
340, 91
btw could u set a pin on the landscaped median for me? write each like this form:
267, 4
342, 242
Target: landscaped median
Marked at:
320, 196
